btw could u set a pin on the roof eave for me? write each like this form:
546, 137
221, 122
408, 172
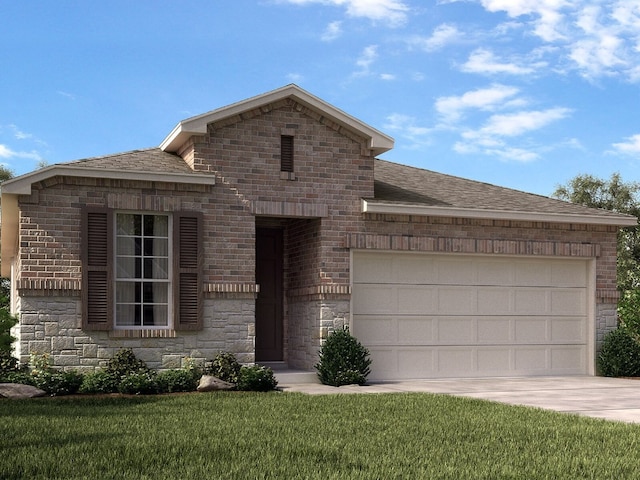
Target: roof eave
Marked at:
22, 185
369, 206
378, 141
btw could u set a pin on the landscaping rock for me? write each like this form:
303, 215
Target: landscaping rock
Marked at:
209, 383
18, 391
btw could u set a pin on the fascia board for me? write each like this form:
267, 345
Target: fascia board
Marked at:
9, 233
378, 141
515, 215
22, 185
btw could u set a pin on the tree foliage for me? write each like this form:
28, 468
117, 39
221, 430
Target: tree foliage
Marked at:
617, 196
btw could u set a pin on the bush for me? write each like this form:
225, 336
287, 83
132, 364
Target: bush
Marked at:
224, 366
343, 360
256, 378
6, 322
56, 382
139, 383
18, 376
99, 382
629, 311
8, 363
124, 363
620, 354
171, 381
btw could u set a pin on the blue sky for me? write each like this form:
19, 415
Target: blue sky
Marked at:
520, 93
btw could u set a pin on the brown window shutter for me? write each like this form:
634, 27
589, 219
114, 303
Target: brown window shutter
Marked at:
286, 153
187, 231
97, 261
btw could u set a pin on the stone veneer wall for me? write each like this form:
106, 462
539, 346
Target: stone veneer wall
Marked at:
310, 322
52, 325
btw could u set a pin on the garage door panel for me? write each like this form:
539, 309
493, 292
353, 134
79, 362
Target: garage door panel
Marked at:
457, 300
412, 299
494, 330
471, 315
569, 301
416, 330
456, 331
374, 299
568, 330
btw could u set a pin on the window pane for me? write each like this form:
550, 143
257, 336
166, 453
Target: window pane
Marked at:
156, 247
157, 268
156, 315
128, 292
128, 267
154, 292
156, 226
128, 246
127, 315
128, 224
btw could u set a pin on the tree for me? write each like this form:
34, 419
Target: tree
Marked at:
5, 173
617, 196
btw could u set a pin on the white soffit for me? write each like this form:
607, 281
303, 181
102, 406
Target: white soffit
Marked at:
490, 214
378, 141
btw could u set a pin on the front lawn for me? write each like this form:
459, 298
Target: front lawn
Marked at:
238, 435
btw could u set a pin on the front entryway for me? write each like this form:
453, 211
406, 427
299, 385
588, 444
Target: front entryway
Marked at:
269, 303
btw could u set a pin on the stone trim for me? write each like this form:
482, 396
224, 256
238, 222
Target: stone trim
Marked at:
320, 292
146, 333
233, 291
470, 245
607, 296
49, 287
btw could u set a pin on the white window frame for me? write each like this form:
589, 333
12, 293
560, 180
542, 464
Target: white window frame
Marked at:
168, 281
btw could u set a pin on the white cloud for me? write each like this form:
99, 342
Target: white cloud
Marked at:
596, 38
333, 31
483, 61
387, 76
7, 153
391, 12
407, 127
295, 77
515, 124
548, 14
452, 108
367, 57
630, 147
442, 35
491, 138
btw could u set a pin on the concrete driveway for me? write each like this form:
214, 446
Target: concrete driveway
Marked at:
599, 397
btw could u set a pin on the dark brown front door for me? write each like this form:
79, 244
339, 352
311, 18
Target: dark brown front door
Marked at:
269, 301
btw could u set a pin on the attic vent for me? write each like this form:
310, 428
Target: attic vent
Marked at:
286, 153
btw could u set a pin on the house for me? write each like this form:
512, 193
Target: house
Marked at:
260, 227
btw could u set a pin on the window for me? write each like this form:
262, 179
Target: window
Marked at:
141, 270
142, 282
286, 153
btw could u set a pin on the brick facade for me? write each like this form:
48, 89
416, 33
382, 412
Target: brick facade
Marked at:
319, 210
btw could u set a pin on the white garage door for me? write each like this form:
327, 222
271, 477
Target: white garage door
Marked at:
434, 316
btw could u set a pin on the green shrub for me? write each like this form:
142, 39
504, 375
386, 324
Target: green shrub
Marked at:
6, 322
8, 363
629, 311
124, 362
99, 382
171, 381
256, 378
56, 382
620, 354
18, 376
224, 366
139, 383
343, 360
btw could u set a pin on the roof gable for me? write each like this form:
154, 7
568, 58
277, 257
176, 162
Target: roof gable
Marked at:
377, 141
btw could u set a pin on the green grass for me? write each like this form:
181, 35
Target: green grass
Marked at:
275, 435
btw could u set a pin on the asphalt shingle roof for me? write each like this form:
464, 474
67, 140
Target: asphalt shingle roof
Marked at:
396, 183
147, 160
